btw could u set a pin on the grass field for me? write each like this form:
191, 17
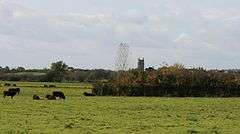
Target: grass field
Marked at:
79, 114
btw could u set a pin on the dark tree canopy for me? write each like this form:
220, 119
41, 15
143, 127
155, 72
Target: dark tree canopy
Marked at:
57, 72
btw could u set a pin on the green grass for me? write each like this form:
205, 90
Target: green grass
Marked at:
79, 114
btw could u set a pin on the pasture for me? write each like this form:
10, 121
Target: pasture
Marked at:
80, 114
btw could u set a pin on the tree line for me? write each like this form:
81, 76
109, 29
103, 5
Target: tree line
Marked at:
58, 72
174, 81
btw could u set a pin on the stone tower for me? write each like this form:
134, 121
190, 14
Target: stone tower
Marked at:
141, 64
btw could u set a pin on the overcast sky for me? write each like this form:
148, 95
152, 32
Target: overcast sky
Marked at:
85, 34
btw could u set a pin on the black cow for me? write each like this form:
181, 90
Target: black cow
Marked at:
17, 90
14, 85
36, 97
88, 94
9, 93
59, 94
47, 96
7, 84
50, 97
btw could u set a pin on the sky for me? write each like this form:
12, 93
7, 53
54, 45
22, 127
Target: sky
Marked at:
86, 34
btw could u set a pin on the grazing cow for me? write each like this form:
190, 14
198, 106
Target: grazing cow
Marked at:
59, 94
36, 97
17, 90
14, 85
9, 93
88, 94
7, 84
47, 95
50, 97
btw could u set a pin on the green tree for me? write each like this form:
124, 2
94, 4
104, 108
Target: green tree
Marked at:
57, 72
20, 69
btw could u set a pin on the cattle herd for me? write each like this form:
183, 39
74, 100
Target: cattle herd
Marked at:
55, 94
16, 91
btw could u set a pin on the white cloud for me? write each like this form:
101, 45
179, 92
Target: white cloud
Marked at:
82, 32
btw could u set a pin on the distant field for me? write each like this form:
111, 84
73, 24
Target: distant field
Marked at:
31, 73
79, 114
59, 85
